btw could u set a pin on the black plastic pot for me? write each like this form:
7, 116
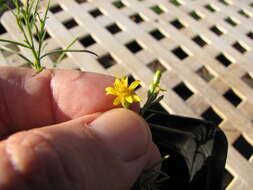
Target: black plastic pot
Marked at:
197, 150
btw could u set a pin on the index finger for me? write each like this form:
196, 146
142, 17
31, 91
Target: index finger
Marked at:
50, 97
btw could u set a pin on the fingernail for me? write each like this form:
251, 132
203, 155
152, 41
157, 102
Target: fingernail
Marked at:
124, 132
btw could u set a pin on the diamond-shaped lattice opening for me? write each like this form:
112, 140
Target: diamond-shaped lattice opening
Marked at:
132, 79
55, 9
12, 47
250, 35
231, 21
95, 12
195, 15
212, 116
199, 40
216, 30
136, 18
180, 53
248, 80
87, 41
245, 148
211, 8
177, 24
225, 2
205, 74
156, 65
70, 23
106, 61
158, 10
2, 29
227, 179
55, 56
244, 13
239, 47
177, 3
183, 91
134, 46
81, 1
113, 28
223, 59
118, 4
232, 97
157, 34
47, 36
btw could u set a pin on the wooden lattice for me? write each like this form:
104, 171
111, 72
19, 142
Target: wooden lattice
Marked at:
203, 47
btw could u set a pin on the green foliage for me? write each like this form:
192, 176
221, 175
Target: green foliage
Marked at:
30, 21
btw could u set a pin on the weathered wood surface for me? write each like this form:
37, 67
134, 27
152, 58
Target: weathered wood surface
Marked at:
207, 60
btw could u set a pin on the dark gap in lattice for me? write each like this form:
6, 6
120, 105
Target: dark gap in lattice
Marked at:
183, 91
223, 60
158, 10
87, 41
205, 74
176, 3
177, 24
70, 23
113, 28
224, 2
132, 79
212, 116
250, 35
230, 21
199, 40
227, 179
54, 57
136, 18
239, 47
251, 4
106, 61
180, 53
118, 4
12, 47
232, 97
80, 1
47, 36
216, 30
244, 13
210, 8
156, 65
95, 12
248, 80
242, 146
195, 15
55, 9
2, 29
157, 34
134, 46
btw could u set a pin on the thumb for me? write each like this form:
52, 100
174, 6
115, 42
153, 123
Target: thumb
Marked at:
99, 151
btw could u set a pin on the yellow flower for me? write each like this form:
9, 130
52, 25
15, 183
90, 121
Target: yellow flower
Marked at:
124, 93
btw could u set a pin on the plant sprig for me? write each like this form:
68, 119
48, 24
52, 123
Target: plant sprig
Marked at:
30, 21
153, 92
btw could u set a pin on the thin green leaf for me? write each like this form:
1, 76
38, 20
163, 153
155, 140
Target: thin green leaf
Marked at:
17, 53
61, 51
15, 42
64, 53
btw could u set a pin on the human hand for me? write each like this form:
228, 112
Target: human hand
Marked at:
59, 131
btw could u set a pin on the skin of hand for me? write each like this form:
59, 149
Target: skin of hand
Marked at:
59, 130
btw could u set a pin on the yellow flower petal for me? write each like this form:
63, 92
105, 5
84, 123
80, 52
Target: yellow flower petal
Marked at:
125, 82
129, 99
134, 85
137, 98
117, 101
110, 90
117, 83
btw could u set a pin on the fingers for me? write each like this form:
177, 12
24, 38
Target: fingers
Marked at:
103, 151
50, 97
